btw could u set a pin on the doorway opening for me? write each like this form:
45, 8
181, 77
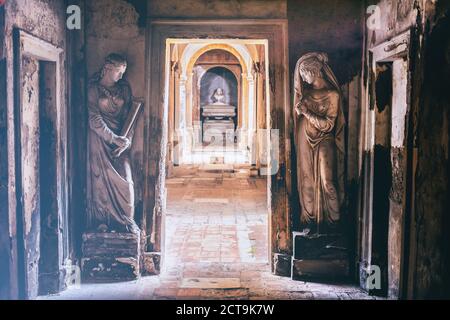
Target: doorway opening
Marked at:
217, 212
39, 184
39, 166
49, 281
385, 218
382, 176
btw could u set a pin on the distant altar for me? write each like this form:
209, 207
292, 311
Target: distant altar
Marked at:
218, 118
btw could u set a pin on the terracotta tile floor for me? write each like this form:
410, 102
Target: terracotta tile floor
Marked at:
216, 247
216, 219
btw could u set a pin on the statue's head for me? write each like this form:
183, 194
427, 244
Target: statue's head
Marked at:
219, 91
114, 67
311, 68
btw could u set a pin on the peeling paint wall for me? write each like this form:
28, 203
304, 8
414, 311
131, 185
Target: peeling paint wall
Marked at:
397, 196
44, 19
431, 218
418, 251
30, 172
395, 17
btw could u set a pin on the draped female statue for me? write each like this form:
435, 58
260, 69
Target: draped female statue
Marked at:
319, 138
110, 205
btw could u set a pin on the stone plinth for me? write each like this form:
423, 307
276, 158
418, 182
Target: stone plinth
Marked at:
110, 257
216, 128
320, 270
320, 257
319, 246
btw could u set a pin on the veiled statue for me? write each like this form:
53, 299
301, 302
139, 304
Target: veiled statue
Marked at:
319, 138
110, 205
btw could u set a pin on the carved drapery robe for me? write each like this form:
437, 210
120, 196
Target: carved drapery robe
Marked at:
317, 170
110, 184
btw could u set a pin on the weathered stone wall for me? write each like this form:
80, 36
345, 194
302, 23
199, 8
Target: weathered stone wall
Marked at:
418, 152
395, 17
331, 26
44, 19
235, 9
431, 233
391, 18
4, 223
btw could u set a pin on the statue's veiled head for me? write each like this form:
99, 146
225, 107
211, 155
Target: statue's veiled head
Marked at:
311, 67
114, 67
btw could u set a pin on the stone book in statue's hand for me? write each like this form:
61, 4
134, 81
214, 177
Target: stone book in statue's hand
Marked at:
128, 125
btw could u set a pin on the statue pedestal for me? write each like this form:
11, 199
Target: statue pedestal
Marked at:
109, 257
319, 257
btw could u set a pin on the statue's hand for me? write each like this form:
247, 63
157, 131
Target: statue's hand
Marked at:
122, 142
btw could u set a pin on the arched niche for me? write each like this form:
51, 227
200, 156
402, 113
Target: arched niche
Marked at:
190, 72
219, 77
224, 118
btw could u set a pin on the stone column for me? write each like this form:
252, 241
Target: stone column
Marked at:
170, 146
244, 111
188, 129
180, 117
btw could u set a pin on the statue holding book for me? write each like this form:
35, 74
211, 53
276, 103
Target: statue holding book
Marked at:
112, 114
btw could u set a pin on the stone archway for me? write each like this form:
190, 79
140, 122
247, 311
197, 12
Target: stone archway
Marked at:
193, 52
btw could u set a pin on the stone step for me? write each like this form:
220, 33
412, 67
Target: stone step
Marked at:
319, 247
320, 270
320, 257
